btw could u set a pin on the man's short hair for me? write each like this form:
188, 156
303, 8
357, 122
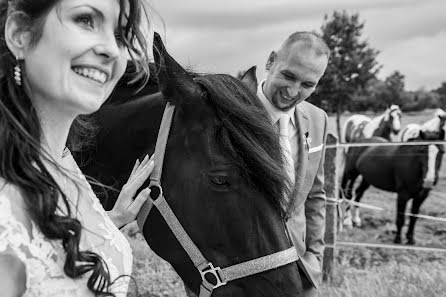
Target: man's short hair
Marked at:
311, 39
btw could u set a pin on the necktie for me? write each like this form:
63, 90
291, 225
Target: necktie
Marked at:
284, 121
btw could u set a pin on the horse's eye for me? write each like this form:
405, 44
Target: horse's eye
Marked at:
219, 180
222, 178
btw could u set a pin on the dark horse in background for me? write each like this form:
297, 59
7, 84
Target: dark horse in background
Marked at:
409, 171
355, 129
222, 176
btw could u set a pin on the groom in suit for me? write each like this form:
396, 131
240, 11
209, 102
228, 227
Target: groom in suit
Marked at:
293, 72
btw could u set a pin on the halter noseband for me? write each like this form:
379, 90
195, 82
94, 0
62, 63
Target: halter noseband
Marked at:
212, 276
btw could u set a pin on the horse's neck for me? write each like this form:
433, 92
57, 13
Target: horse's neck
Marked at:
373, 127
432, 125
383, 130
127, 132
127, 91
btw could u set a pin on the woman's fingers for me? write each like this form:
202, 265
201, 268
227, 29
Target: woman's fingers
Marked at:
135, 167
137, 180
126, 207
134, 208
138, 169
126, 211
142, 175
142, 169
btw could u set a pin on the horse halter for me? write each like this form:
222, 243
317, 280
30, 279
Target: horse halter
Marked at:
212, 276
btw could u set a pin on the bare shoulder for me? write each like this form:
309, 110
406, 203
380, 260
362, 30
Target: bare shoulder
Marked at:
11, 192
11, 195
12, 269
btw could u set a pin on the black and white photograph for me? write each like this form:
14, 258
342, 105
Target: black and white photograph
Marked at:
160, 148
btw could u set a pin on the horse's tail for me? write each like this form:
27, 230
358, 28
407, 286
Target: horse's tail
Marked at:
342, 152
348, 131
342, 160
343, 136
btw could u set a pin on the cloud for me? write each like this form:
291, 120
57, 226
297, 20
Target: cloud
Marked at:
230, 14
386, 26
226, 36
420, 59
229, 51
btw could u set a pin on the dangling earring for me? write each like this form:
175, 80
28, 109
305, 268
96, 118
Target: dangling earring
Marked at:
18, 73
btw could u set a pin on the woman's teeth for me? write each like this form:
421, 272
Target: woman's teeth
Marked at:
91, 73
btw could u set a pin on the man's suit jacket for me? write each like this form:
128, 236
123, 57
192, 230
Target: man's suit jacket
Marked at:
306, 226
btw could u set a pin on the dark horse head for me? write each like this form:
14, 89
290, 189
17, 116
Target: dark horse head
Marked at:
222, 173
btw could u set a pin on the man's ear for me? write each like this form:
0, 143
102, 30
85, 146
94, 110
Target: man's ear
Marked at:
271, 60
16, 34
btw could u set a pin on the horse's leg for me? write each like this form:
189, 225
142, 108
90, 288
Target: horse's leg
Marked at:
347, 181
344, 215
343, 194
344, 182
401, 202
416, 204
351, 178
342, 191
358, 195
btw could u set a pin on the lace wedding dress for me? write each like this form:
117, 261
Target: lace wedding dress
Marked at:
44, 259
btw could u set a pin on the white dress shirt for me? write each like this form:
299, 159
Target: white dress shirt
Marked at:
275, 114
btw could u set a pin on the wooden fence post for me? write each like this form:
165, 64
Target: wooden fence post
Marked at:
331, 189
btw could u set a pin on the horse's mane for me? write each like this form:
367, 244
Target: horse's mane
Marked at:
247, 135
371, 126
376, 121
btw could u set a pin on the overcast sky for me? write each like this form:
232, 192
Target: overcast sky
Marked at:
226, 36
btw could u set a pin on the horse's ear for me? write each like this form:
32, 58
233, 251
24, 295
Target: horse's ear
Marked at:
441, 114
250, 79
174, 82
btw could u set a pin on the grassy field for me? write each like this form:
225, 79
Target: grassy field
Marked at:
359, 272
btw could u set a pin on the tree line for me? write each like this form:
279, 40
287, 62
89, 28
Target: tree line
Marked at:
350, 82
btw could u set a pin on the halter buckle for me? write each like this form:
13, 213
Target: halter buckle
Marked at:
214, 272
156, 190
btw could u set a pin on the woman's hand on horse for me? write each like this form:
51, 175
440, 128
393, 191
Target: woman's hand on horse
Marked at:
126, 208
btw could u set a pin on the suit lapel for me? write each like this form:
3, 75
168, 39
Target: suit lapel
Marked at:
302, 124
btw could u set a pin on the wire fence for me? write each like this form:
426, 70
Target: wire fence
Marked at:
334, 204
369, 144
341, 201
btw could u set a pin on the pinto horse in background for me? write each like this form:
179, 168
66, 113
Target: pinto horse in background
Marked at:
222, 174
409, 171
359, 128
436, 124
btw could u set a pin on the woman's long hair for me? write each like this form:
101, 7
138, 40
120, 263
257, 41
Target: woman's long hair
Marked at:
21, 156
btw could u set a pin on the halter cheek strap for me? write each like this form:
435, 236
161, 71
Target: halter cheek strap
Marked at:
155, 177
212, 276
